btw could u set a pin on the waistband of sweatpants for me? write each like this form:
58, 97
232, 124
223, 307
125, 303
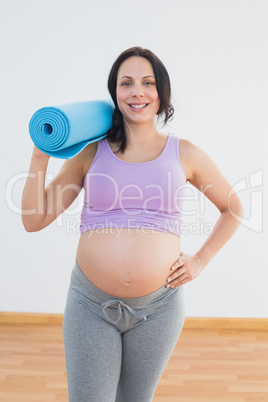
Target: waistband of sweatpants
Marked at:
91, 291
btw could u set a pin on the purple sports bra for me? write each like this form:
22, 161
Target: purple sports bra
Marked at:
121, 194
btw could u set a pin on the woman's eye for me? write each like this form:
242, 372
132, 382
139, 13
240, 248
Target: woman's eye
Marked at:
149, 83
126, 84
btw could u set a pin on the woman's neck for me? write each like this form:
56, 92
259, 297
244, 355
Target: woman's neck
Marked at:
140, 134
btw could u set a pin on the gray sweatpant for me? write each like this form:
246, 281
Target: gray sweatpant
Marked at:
116, 349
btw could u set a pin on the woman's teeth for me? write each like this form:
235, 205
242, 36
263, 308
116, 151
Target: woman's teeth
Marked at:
138, 106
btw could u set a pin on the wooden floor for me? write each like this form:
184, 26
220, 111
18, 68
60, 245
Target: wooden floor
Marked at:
206, 366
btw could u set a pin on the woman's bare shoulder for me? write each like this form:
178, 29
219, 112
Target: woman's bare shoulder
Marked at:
193, 158
187, 147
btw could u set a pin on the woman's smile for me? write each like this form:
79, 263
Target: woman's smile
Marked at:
138, 107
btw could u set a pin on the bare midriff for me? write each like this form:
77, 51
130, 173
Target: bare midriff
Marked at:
132, 263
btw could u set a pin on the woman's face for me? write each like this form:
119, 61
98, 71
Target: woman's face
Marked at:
136, 92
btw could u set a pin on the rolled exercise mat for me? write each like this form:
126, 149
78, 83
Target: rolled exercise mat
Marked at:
63, 131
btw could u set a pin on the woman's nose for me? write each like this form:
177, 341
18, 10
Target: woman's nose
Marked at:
137, 91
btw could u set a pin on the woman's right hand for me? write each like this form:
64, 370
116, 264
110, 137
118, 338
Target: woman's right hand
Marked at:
40, 154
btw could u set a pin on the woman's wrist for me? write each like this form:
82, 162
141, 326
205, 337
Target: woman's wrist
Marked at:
203, 257
37, 153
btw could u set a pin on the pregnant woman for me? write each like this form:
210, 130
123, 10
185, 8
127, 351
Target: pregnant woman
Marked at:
125, 305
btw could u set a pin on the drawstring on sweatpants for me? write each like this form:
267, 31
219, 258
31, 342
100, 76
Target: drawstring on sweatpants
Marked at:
122, 307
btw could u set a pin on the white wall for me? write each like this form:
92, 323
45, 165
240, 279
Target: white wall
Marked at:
60, 51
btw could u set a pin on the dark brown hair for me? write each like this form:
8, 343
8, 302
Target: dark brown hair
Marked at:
117, 131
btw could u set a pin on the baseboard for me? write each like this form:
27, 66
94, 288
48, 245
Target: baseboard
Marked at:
190, 322
30, 318
226, 323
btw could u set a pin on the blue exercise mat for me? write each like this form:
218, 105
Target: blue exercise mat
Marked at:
63, 131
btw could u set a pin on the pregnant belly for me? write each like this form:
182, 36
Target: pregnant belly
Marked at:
131, 264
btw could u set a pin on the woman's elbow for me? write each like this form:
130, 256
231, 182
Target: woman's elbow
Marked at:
30, 225
236, 207
31, 228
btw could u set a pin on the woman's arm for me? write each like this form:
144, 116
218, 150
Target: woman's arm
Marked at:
202, 173
40, 205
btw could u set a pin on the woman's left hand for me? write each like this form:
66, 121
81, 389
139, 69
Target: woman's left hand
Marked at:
184, 270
